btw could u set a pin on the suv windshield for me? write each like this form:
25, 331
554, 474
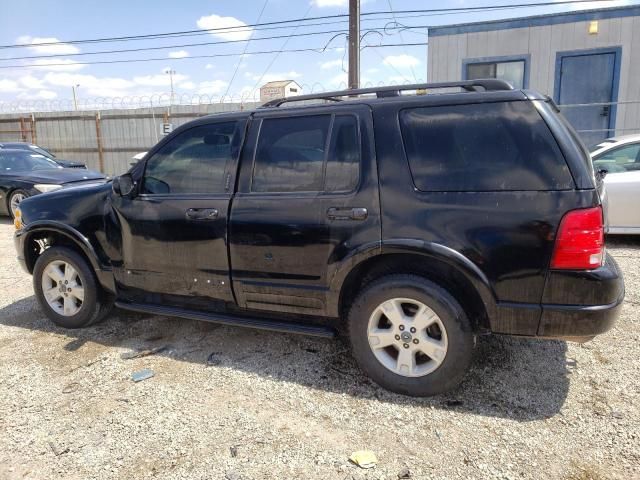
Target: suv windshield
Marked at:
25, 162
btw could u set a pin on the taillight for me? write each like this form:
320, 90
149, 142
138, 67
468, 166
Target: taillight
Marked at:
580, 240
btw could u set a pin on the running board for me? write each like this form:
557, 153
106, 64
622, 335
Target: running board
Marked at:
236, 321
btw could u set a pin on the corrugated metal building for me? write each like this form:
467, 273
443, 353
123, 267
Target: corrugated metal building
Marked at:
587, 57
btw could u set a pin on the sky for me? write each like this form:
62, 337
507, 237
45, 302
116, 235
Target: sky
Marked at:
238, 76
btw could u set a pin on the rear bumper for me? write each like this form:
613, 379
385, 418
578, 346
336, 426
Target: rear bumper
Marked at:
575, 305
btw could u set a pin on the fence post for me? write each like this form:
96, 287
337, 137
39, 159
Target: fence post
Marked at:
23, 132
34, 136
99, 142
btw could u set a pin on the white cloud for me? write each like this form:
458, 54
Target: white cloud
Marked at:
339, 80
212, 87
59, 65
160, 80
91, 85
9, 86
39, 95
273, 77
59, 48
179, 54
31, 82
331, 64
208, 66
187, 85
229, 26
401, 61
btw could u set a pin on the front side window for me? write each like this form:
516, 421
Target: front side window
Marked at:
512, 71
193, 162
619, 160
503, 146
295, 154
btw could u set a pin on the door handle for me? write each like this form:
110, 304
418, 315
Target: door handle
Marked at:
347, 213
202, 213
605, 111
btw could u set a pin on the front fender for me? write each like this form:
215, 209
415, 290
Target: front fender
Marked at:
23, 237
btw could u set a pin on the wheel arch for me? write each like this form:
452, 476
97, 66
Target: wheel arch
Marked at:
63, 235
438, 263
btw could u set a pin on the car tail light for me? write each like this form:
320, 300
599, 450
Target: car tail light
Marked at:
580, 240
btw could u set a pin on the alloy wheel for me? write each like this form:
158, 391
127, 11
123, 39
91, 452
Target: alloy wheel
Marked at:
407, 337
62, 288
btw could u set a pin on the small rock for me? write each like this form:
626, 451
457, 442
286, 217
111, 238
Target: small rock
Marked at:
404, 473
141, 375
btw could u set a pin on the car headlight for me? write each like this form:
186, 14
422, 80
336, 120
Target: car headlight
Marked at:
17, 219
46, 187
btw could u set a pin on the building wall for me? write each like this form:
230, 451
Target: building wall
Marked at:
447, 53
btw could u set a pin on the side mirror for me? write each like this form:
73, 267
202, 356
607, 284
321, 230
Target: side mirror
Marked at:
601, 173
123, 185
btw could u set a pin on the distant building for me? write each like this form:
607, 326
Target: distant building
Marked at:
279, 89
584, 57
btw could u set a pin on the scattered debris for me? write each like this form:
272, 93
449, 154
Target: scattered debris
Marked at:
454, 403
72, 387
56, 451
617, 414
143, 353
214, 359
234, 450
404, 473
141, 375
364, 458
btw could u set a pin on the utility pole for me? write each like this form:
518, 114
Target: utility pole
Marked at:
75, 98
171, 73
354, 44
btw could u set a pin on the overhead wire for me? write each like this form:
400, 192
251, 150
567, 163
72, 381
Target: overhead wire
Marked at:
299, 20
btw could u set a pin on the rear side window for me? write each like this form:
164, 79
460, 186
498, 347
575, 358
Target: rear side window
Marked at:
482, 147
307, 154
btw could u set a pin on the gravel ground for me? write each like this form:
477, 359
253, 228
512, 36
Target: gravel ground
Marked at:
285, 406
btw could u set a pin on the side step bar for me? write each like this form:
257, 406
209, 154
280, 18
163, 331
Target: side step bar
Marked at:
236, 321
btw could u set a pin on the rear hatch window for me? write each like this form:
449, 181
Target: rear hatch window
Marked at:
503, 146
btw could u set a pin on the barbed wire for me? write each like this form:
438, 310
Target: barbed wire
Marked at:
129, 102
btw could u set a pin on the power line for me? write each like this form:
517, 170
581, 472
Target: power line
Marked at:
235, 71
402, 40
298, 20
164, 59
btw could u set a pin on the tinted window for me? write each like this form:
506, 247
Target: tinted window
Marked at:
194, 161
618, 160
512, 72
482, 147
290, 154
343, 161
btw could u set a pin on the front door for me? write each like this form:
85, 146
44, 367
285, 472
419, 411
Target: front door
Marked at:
585, 79
307, 199
174, 229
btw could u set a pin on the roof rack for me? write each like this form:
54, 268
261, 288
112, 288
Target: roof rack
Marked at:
487, 84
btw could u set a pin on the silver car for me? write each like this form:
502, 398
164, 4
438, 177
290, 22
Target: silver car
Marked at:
620, 158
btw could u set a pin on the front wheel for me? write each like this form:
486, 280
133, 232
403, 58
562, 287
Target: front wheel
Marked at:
67, 290
410, 336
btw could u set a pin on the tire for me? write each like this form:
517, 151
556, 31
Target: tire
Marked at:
95, 303
441, 328
14, 196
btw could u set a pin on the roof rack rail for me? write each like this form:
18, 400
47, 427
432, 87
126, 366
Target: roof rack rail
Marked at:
486, 84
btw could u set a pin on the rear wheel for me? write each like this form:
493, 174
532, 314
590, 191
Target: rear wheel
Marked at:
67, 290
410, 335
15, 198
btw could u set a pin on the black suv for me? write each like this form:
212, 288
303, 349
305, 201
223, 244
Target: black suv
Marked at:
409, 222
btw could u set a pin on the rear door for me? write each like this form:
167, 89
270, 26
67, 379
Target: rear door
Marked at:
307, 198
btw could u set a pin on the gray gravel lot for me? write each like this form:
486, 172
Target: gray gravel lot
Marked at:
284, 406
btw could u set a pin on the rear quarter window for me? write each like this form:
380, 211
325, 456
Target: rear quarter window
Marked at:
502, 146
